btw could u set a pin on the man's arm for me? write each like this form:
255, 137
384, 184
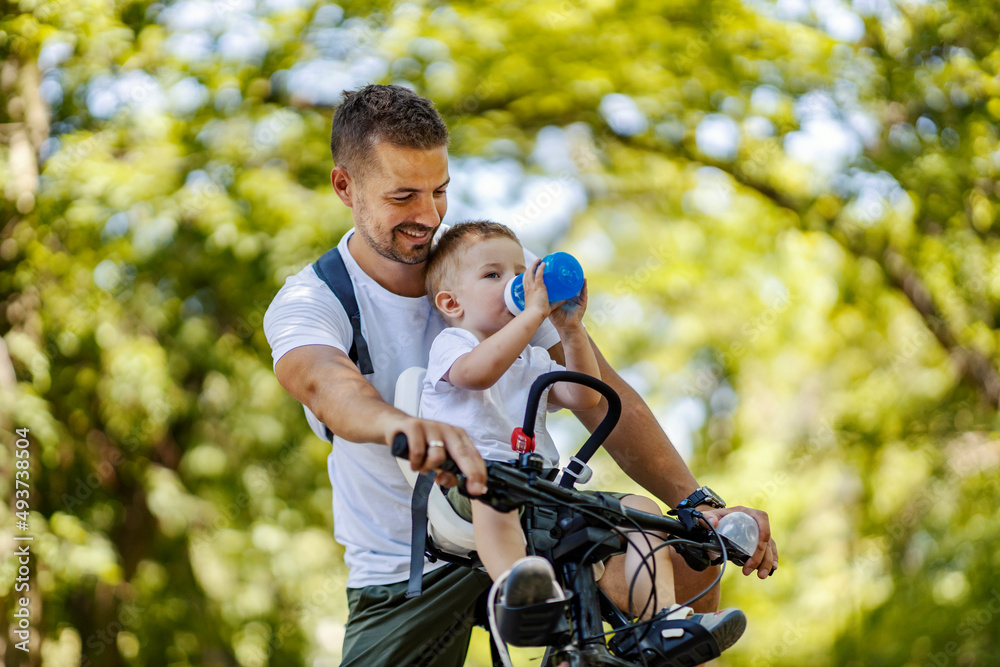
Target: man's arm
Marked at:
638, 444
327, 382
644, 452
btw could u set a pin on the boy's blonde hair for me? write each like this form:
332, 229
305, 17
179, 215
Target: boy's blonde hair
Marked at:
443, 263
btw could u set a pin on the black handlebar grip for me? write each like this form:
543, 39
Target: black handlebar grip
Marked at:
400, 446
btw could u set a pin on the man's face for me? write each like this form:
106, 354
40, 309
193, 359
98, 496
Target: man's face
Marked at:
399, 203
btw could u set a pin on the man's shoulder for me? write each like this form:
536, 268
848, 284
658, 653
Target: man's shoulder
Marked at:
304, 288
301, 283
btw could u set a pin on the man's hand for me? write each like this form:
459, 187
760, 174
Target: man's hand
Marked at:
766, 555
420, 433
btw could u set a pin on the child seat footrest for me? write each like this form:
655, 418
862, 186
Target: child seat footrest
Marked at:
672, 643
531, 625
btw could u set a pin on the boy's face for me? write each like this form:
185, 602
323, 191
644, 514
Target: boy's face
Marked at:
486, 267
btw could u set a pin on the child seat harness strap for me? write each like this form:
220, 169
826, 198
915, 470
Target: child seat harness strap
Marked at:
331, 270
418, 532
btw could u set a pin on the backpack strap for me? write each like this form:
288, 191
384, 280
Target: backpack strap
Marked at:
418, 532
331, 270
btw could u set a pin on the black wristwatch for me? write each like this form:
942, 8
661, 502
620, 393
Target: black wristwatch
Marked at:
703, 496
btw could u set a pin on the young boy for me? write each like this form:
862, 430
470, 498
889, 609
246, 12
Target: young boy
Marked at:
478, 376
480, 369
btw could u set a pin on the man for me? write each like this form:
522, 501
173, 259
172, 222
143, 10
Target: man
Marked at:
390, 150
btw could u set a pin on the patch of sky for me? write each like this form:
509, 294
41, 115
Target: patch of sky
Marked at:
883, 10
321, 81
641, 376
328, 16
151, 235
195, 24
773, 292
247, 43
623, 115
428, 49
681, 420
711, 196
190, 15
135, 90
758, 127
552, 151
190, 46
718, 137
927, 129
538, 208
824, 141
352, 38
53, 53
278, 6
872, 195
49, 148
116, 226
841, 20
724, 399
228, 98
187, 96
108, 275
595, 250
766, 100
50, 89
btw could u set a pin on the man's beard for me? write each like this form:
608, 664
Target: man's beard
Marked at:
392, 250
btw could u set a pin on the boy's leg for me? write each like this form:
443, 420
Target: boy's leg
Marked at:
499, 538
387, 628
651, 574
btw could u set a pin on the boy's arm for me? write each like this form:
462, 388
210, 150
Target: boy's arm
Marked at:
578, 353
580, 358
487, 362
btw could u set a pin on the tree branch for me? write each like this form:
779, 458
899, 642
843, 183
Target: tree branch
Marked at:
975, 368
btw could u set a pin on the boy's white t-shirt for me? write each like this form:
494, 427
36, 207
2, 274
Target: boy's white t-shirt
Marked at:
489, 416
371, 498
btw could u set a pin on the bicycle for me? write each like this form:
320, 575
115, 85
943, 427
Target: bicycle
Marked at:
575, 530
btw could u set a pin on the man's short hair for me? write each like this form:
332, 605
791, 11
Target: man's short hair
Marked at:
378, 113
444, 260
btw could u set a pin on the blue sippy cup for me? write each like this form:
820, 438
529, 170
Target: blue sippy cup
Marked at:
563, 278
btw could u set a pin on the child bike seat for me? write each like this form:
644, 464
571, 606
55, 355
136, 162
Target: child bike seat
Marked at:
450, 532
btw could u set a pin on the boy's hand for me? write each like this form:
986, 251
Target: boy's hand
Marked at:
536, 297
568, 314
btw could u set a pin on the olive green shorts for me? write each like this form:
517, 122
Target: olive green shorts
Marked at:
385, 628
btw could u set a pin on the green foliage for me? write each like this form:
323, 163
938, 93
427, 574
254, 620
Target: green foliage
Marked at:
823, 333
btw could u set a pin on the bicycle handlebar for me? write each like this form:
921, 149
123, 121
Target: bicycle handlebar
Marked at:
512, 487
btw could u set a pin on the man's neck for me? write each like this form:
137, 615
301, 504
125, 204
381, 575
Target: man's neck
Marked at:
399, 278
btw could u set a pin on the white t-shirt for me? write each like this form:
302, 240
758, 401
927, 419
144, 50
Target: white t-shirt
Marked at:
371, 498
489, 416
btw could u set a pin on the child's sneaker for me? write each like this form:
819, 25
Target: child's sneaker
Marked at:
681, 638
726, 626
531, 580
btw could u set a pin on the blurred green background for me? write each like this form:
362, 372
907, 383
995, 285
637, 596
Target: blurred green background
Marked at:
787, 211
